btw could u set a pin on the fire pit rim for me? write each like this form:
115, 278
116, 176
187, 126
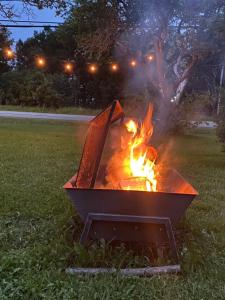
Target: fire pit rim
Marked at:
69, 185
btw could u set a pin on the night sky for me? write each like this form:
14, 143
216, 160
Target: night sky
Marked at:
37, 15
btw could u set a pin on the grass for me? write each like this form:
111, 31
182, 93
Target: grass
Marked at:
61, 110
37, 158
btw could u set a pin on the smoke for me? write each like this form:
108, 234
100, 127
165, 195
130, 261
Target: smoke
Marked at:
166, 30
142, 84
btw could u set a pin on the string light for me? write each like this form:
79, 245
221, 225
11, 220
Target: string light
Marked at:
41, 62
150, 57
114, 67
92, 68
9, 53
133, 63
68, 67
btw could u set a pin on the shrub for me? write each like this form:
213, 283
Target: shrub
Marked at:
36, 88
197, 106
193, 107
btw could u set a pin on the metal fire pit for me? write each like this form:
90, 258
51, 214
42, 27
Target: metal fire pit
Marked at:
120, 215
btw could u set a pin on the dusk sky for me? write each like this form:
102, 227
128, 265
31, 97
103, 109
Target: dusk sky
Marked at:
47, 15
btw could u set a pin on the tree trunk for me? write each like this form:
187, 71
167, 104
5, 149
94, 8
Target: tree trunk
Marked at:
179, 91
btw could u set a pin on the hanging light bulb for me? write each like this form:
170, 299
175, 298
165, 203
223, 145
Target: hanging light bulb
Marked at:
114, 67
150, 57
9, 53
68, 67
133, 63
41, 62
92, 68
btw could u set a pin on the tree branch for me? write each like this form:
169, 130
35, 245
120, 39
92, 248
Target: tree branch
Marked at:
186, 71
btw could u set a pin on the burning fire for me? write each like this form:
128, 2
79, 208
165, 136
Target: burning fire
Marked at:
133, 165
142, 157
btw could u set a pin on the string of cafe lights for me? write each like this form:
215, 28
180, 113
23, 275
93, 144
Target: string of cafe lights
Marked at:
69, 66
92, 68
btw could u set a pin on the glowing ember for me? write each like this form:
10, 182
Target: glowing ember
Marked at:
141, 156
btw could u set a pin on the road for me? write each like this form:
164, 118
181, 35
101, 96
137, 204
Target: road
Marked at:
48, 116
79, 118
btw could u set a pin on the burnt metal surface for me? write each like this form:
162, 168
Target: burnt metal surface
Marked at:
170, 204
94, 144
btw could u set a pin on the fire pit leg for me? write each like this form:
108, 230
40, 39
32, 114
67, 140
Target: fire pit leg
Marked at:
131, 219
86, 230
171, 239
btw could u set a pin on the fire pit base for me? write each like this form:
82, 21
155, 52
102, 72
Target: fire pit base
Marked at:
129, 228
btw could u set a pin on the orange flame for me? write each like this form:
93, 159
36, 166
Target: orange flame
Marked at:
131, 127
141, 161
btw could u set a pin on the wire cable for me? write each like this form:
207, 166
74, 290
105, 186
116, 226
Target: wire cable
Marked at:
29, 26
32, 22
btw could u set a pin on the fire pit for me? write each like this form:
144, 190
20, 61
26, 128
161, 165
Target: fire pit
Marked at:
141, 208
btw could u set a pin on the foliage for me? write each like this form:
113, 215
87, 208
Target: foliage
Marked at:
54, 45
95, 90
5, 43
175, 32
37, 158
35, 88
193, 107
196, 106
184, 37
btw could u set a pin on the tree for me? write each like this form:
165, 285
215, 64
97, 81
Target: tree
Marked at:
176, 33
182, 38
36, 88
94, 90
4, 45
55, 45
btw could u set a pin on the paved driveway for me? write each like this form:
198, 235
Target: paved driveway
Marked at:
80, 118
31, 115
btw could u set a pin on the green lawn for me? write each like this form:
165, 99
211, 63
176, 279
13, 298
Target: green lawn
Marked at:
37, 158
61, 110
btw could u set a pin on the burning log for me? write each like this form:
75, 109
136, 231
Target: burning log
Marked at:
134, 184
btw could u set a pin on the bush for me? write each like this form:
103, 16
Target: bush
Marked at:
36, 88
193, 107
197, 107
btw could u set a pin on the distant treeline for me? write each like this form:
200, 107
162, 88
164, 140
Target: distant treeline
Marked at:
185, 39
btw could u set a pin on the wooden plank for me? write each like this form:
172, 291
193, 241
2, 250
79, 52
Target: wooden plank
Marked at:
149, 271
